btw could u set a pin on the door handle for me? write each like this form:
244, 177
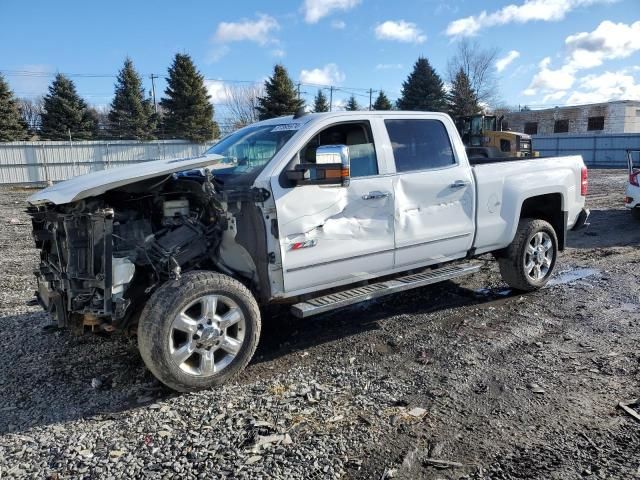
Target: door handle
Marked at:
459, 184
375, 194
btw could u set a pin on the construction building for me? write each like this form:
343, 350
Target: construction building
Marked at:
614, 117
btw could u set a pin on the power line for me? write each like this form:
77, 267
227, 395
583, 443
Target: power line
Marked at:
44, 74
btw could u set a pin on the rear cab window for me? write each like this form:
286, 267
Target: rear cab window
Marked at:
419, 144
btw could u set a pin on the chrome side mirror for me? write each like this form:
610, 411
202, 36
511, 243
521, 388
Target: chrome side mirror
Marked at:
330, 168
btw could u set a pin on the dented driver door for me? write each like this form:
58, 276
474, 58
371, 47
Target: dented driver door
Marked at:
331, 235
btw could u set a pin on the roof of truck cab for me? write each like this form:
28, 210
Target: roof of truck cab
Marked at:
308, 117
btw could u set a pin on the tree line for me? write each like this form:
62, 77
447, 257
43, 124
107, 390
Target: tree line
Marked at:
185, 111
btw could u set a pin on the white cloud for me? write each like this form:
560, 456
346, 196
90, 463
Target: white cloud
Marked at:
604, 87
338, 24
258, 31
314, 10
528, 11
389, 66
400, 31
218, 53
586, 50
505, 61
554, 80
330, 74
217, 90
607, 42
554, 97
339, 104
278, 53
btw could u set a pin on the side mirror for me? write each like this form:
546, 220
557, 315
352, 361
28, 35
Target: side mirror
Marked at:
331, 168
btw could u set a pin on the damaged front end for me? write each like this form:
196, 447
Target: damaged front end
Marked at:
101, 257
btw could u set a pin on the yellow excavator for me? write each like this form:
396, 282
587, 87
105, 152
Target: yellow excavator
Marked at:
484, 137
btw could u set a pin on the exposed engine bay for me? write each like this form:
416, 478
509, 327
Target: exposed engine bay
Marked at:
102, 257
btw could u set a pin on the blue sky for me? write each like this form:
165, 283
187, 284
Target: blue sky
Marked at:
553, 52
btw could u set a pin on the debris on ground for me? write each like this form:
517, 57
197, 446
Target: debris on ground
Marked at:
459, 380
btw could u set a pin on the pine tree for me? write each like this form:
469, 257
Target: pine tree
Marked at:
131, 115
382, 102
462, 99
352, 104
320, 103
65, 112
423, 90
12, 126
280, 96
188, 112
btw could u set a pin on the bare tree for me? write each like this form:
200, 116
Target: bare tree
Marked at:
241, 104
101, 115
31, 110
479, 65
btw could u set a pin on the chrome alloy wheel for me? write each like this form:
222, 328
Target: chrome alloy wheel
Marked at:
538, 256
207, 335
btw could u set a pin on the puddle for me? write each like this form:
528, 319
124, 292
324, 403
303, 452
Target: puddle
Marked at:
491, 292
630, 307
573, 275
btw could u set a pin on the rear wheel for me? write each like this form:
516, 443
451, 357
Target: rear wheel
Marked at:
198, 331
527, 264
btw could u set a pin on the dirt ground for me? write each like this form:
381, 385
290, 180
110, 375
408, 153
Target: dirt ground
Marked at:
460, 380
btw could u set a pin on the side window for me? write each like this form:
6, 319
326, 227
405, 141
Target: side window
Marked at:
419, 144
357, 136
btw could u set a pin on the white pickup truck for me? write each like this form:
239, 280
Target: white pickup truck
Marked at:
319, 211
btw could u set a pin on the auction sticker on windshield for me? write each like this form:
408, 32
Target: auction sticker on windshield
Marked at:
287, 126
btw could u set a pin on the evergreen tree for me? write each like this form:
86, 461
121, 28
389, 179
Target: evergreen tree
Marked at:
423, 90
382, 102
131, 115
65, 112
320, 103
188, 112
352, 104
280, 96
12, 126
462, 99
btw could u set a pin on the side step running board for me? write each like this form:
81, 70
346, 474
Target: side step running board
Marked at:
375, 290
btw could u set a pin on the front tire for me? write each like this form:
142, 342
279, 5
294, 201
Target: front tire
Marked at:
635, 213
198, 331
528, 262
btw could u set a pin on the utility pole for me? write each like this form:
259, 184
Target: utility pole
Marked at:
153, 92
298, 90
331, 98
370, 95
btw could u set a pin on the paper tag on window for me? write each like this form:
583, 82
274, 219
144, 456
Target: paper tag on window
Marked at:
287, 126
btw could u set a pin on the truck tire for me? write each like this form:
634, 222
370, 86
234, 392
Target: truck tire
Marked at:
528, 262
635, 213
198, 331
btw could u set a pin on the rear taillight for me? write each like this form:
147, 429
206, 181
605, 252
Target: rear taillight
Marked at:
584, 182
633, 178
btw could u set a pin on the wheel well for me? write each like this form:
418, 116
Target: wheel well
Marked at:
547, 207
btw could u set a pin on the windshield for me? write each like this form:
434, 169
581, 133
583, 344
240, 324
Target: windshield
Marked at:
247, 151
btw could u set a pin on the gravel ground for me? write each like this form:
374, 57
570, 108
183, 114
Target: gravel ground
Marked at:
459, 380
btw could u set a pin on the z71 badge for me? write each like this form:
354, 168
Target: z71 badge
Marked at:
305, 244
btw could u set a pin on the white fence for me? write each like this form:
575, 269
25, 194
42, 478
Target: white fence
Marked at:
35, 162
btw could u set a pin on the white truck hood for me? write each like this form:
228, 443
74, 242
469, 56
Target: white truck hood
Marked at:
96, 183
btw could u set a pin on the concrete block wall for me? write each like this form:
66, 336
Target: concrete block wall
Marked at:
619, 117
